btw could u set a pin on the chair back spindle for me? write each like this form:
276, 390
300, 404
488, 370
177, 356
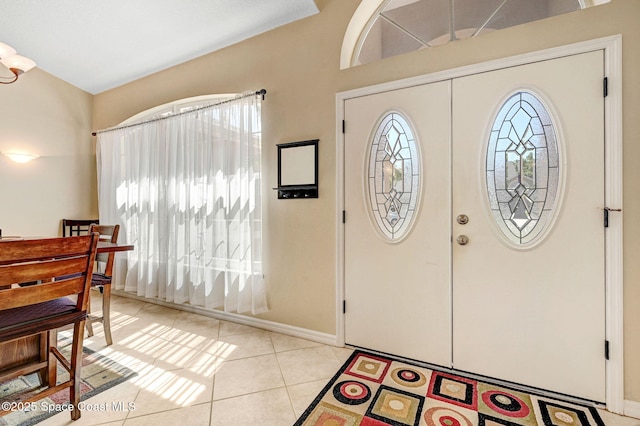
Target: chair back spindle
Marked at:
77, 227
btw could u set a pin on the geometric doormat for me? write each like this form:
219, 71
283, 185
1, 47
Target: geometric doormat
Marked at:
375, 390
98, 374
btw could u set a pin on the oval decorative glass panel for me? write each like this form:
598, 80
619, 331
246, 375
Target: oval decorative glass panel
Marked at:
523, 171
393, 176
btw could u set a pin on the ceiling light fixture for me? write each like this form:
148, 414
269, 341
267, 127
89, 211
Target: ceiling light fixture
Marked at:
15, 63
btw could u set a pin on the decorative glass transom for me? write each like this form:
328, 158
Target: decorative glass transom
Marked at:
393, 176
522, 168
383, 28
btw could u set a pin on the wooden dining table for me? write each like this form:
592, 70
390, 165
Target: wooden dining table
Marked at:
103, 246
109, 247
15, 353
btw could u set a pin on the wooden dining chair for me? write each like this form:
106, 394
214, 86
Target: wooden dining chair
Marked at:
75, 227
101, 279
61, 267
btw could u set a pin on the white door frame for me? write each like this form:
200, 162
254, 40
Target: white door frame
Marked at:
612, 47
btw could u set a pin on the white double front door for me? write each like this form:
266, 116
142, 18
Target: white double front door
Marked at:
466, 282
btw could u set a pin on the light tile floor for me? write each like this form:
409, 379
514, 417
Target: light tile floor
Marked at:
194, 370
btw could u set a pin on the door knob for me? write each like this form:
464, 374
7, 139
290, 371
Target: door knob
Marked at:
463, 240
463, 219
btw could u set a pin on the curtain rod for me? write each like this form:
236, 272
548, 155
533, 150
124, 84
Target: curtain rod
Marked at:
261, 92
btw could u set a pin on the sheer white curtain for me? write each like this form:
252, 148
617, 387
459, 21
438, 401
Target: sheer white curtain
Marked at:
185, 190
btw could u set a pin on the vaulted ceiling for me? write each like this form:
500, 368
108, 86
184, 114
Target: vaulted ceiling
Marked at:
98, 45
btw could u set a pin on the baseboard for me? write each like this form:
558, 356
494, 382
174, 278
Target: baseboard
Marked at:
632, 409
303, 333
289, 330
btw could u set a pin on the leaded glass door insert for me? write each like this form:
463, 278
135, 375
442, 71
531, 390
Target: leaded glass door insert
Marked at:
393, 176
522, 165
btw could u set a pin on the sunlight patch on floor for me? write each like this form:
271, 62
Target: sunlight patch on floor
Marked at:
160, 353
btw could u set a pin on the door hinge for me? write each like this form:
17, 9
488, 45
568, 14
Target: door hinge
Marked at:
344, 126
344, 216
606, 349
344, 306
605, 87
606, 211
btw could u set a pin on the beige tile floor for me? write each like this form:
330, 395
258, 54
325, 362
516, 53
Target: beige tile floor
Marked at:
194, 370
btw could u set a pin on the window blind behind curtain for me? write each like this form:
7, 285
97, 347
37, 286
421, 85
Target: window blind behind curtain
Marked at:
186, 191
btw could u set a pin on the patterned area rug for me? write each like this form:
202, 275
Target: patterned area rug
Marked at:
373, 390
99, 373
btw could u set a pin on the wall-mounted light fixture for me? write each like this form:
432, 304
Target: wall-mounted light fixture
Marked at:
20, 157
15, 63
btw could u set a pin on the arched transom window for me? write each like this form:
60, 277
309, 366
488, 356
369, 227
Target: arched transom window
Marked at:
383, 28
